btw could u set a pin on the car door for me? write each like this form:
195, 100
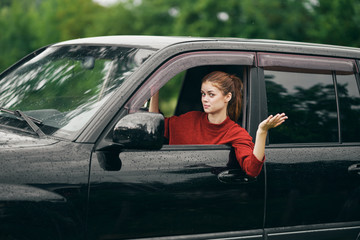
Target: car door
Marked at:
312, 168
182, 191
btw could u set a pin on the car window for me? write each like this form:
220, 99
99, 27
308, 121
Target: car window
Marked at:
307, 93
181, 76
64, 86
181, 93
349, 101
169, 95
308, 100
185, 62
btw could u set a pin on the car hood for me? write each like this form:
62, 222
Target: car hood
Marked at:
14, 139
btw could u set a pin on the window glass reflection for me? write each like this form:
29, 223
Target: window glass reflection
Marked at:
309, 101
349, 100
65, 86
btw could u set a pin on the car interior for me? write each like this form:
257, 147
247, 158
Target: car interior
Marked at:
189, 96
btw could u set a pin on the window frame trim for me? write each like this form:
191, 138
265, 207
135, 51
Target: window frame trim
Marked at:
318, 63
337, 100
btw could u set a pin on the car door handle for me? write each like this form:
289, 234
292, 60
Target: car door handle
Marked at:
236, 176
355, 168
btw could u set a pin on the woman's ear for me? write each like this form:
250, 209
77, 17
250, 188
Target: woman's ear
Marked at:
228, 97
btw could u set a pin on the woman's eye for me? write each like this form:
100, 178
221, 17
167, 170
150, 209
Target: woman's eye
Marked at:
211, 94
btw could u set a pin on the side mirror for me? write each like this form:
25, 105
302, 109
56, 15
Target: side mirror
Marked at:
140, 130
143, 131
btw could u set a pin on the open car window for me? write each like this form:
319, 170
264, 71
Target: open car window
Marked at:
186, 71
183, 62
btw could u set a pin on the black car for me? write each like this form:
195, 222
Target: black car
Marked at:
82, 158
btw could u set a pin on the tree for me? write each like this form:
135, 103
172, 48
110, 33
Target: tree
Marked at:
336, 22
116, 20
16, 33
67, 19
155, 17
30, 24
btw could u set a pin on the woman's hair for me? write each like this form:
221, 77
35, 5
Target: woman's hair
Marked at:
228, 83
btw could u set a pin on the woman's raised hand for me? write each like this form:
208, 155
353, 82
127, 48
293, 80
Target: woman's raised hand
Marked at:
272, 122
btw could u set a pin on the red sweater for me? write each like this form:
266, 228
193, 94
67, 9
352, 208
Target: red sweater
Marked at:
194, 128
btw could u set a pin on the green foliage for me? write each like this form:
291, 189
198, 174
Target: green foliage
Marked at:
117, 20
16, 36
29, 24
336, 22
169, 95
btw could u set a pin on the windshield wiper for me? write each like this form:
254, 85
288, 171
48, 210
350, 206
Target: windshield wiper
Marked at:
29, 120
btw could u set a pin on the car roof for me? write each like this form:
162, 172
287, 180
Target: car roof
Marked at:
161, 42
141, 41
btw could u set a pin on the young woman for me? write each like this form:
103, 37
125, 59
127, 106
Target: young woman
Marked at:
221, 97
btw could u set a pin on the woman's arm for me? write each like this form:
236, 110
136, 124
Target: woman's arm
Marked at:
261, 133
154, 103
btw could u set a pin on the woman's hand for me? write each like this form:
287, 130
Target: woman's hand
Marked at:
272, 122
264, 126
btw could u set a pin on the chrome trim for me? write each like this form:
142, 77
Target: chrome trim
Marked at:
313, 231
233, 238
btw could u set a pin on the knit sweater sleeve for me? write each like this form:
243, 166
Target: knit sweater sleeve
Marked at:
244, 147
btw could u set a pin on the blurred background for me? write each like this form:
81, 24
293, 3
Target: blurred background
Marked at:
26, 25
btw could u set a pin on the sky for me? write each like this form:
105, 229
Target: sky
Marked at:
106, 2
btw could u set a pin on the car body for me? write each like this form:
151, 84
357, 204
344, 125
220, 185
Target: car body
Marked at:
81, 158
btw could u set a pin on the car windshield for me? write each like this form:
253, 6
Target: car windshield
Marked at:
64, 86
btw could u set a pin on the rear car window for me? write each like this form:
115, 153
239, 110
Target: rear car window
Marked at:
320, 97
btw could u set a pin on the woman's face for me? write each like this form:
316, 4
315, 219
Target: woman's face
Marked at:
212, 99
